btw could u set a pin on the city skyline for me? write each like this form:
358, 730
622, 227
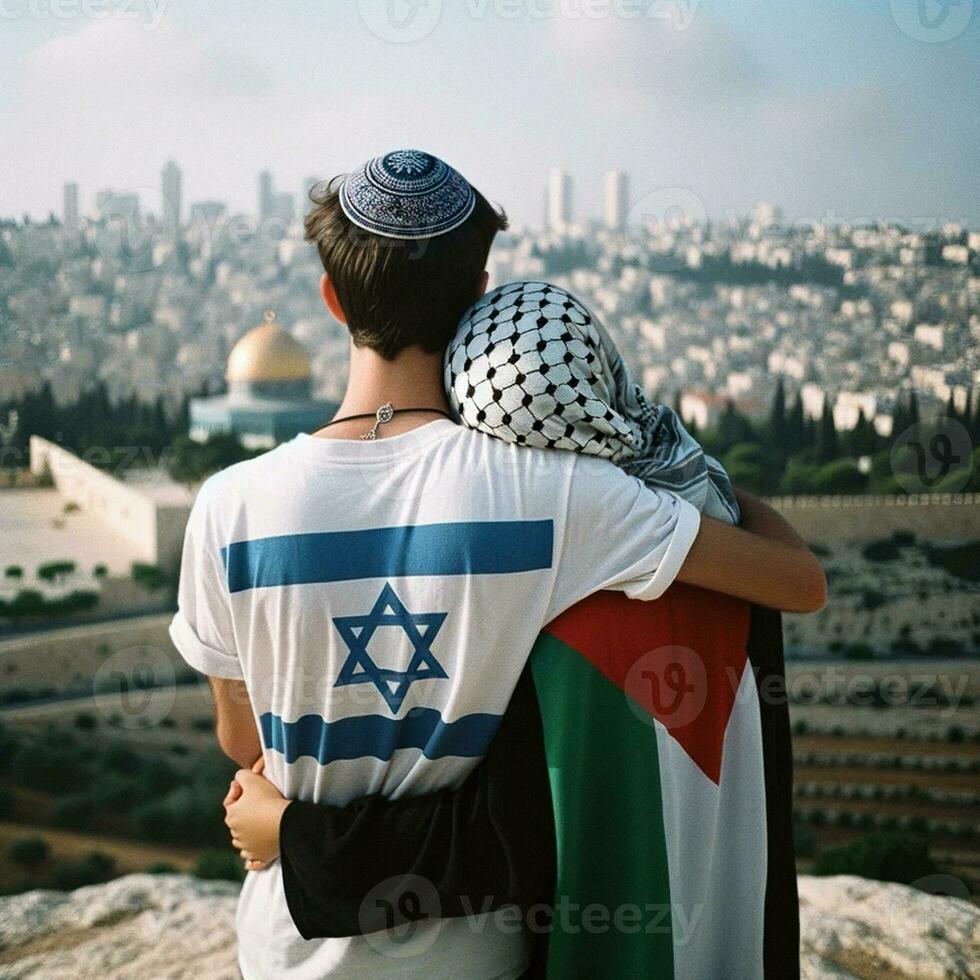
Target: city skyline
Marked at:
615, 210
838, 113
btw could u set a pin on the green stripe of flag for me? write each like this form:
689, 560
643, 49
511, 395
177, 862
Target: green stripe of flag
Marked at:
612, 849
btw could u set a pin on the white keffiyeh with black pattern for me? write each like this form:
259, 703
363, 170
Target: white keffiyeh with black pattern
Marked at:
530, 364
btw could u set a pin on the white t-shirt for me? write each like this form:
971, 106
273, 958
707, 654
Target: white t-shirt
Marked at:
380, 600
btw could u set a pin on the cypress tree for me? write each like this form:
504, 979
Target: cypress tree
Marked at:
795, 427
827, 448
777, 419
733, 427
900, 418
861, 440
952, 412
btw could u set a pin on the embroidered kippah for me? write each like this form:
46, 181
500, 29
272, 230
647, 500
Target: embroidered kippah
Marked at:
407, 194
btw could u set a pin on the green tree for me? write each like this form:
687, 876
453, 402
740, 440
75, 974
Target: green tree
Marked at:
733, 427
93, 869
28, 851
885, 856
192, 461
151, 576
862, 439
798, 476
747, 467
827, 448
219, 865
795, 427
839, 476
78, 812
161, 868
777, 424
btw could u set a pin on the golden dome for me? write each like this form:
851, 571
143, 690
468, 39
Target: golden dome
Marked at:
268, 353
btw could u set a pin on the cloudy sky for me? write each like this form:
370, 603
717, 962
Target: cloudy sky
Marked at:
833, 110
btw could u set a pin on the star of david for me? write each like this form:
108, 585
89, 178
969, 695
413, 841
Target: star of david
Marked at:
357, 631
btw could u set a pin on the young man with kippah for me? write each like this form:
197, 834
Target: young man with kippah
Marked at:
364, 599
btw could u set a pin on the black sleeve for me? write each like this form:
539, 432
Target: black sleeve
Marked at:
488, 844
781, 936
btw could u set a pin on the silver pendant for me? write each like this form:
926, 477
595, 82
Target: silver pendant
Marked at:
384, 414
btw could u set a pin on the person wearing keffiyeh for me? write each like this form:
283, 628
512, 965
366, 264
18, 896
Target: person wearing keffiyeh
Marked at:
531, 365
633, 771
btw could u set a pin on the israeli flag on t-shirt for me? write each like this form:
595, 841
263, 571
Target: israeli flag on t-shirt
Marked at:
385, 642
380, 600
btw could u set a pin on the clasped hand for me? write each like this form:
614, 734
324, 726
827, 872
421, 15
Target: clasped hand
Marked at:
253, 812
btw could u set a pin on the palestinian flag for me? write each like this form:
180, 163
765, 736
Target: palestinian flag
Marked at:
654, 742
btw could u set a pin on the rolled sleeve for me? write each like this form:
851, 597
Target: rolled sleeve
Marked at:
678, 545
207, 659
203, 629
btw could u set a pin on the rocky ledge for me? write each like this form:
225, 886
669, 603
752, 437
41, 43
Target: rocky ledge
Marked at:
180, 928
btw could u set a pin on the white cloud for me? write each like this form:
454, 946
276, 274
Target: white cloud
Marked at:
646, 64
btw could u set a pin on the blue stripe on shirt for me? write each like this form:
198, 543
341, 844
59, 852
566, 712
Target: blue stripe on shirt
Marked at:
378, 736
466, 548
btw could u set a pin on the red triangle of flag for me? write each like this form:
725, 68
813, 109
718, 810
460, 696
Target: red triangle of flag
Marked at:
679, 659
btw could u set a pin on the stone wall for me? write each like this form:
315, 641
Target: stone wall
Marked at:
155, 526
74, 660
845, 520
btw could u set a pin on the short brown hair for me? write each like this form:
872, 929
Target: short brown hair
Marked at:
398, 293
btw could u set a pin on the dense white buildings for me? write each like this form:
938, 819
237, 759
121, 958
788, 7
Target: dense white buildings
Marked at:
714, 311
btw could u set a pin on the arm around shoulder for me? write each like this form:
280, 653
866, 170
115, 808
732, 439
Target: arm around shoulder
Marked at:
773, 573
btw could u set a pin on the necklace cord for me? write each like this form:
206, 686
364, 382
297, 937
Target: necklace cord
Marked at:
384, 414
394, 411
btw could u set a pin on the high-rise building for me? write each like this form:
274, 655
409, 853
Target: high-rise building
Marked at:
615, 203
70, 209
171, 205
559, 200
265, 195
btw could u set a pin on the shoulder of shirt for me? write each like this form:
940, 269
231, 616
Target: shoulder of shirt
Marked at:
511, 454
